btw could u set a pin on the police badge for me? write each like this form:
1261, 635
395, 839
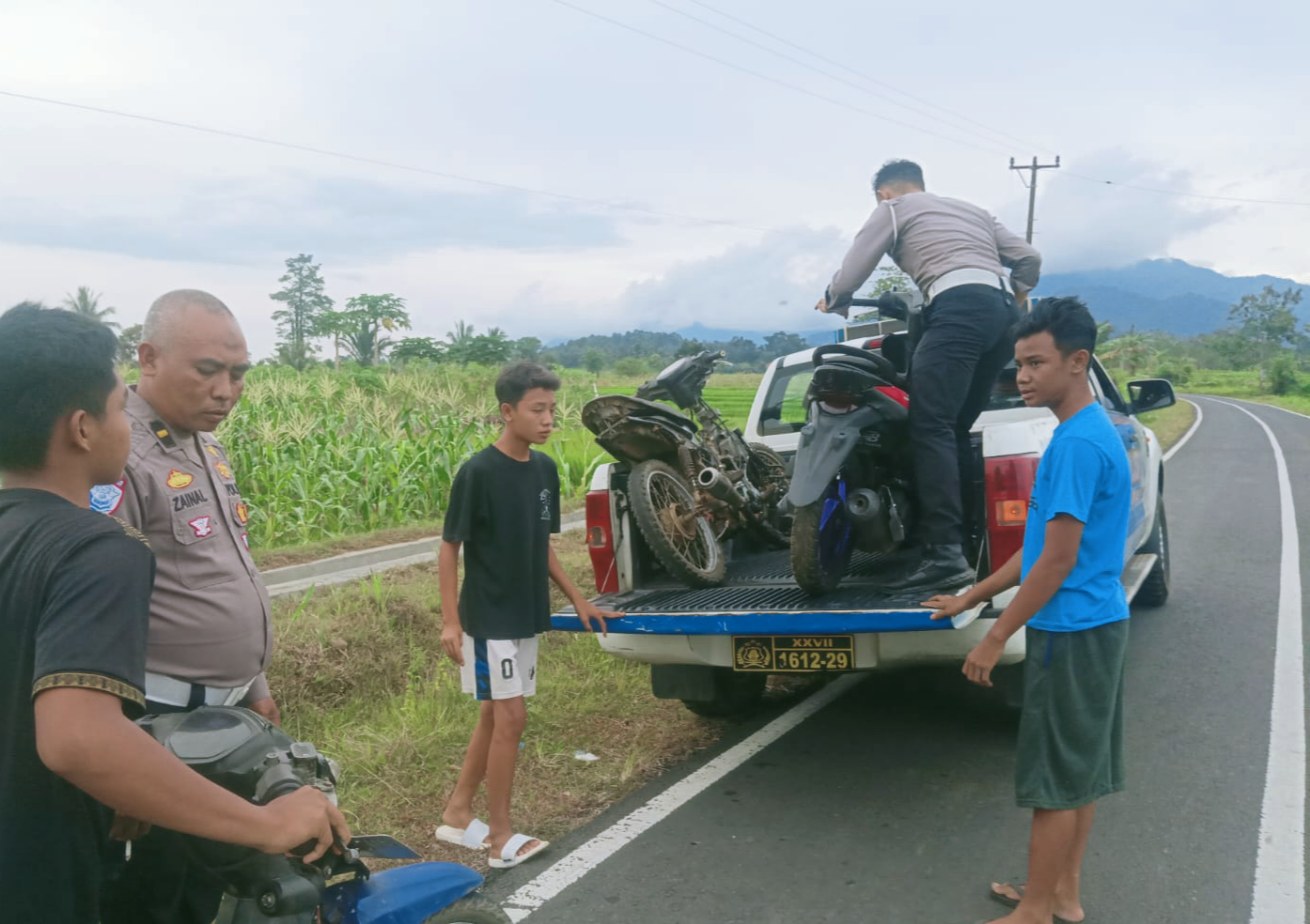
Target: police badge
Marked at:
107, 498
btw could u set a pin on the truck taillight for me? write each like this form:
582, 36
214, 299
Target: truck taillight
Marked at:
1009, 486
600, 542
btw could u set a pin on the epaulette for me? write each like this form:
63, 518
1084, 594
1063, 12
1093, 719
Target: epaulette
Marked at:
163, 434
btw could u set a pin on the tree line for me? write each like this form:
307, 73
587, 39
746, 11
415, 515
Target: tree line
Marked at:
1263, 334
364, 331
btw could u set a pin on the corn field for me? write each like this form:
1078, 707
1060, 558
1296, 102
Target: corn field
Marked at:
326, 453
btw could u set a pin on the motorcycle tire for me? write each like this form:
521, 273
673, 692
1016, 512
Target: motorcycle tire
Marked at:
472, 910
820, 556
765, 469
665, 510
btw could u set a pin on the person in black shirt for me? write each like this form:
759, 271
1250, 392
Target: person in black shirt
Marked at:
503, 508
74, 596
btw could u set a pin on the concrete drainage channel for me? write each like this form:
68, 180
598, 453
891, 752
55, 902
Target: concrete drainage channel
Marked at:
352, 566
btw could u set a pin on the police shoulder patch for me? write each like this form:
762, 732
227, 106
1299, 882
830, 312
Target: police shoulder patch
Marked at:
107, 498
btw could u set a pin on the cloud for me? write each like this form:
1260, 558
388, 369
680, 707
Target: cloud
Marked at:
1084, 224
243, 221
773, 284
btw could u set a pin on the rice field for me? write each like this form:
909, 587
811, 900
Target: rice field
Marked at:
325, 453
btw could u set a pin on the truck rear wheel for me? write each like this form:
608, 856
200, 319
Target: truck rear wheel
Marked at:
820, 549
681, 539
735, 694
1155, 589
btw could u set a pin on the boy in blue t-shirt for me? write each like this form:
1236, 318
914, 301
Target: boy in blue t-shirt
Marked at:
1072, 603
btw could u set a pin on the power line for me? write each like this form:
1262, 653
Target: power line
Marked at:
928, 103
773, 80
1188, 195
867, 78
377, 162
807, 65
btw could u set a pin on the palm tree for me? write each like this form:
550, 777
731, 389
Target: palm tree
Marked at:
87, 304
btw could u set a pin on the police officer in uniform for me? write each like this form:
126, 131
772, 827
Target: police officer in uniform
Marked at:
210, 632
957, 254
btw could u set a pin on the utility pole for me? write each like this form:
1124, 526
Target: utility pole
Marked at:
1032, 186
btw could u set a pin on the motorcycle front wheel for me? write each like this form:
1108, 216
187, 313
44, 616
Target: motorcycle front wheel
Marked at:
821, 545
472, 910
681, 539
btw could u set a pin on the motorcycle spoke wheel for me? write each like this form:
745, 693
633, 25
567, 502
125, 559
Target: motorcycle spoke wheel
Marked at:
681, 538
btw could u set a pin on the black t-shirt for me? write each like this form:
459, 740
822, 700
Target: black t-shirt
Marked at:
504, 511
74, 601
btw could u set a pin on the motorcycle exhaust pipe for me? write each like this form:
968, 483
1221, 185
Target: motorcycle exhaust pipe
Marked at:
715, 483
864, 505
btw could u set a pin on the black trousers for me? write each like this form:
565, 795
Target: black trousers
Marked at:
161, 884
965, 344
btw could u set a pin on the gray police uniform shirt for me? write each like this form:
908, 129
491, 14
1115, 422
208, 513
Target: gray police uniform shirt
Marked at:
209, 613
929, 236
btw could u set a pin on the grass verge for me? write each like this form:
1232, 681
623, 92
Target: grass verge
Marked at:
359, 672
1170, 424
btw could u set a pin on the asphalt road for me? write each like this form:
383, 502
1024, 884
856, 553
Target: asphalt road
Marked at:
894, 803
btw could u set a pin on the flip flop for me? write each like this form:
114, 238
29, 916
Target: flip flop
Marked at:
474, 837
509, 854
1009, 902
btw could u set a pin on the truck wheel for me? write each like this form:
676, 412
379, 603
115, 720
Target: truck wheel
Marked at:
681, 539
1155, 589
820, 551
766, 469
735, 694
472, 910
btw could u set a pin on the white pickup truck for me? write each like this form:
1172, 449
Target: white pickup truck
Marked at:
713, 648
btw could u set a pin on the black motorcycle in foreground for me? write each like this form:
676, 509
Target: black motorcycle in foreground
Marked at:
851, 480
694, 480
247, 755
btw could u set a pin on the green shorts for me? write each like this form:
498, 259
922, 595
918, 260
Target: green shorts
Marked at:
1070, 750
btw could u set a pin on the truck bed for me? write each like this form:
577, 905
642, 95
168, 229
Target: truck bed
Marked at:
759, 595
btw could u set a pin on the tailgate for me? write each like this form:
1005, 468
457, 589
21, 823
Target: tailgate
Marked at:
760, 596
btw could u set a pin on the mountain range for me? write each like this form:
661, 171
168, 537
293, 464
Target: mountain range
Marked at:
1164, 295
1172, 296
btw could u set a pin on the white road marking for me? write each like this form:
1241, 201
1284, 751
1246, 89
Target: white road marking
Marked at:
1279, 896
1173, 450
1279, 408
584, 859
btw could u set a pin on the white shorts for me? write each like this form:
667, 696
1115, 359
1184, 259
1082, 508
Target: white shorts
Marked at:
499, 668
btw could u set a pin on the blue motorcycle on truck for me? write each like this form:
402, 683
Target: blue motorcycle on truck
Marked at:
247, 755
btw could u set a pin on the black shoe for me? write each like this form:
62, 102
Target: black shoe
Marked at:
943, 567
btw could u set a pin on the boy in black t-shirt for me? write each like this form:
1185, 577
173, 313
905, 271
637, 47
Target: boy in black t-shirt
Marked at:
504, 506
74, 597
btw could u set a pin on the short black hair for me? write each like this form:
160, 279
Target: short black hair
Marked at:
898, 171
517, 379
1067, 320
52, 362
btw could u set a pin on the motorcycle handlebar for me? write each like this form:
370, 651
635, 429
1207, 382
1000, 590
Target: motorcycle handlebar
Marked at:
889, 304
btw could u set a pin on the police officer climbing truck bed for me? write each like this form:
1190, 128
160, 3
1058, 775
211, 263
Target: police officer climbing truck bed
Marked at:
714, 647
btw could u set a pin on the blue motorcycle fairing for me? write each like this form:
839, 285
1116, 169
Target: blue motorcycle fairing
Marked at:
826, 442
401, 895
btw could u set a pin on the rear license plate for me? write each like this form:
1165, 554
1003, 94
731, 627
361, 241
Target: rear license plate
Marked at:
787, 654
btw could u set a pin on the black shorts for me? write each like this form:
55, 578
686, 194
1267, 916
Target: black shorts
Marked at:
1070, 750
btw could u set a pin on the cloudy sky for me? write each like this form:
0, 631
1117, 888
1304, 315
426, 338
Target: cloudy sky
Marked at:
689, 188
